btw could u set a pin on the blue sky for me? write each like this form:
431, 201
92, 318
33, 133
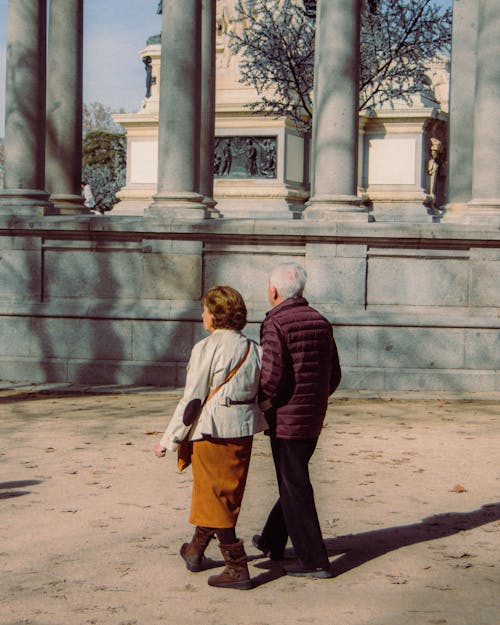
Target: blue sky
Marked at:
114, 31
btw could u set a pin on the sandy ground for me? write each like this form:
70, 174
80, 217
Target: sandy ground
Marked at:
408, 494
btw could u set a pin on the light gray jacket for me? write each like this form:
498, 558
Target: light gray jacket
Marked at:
210, 362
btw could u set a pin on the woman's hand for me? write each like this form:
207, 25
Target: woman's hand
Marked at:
159, 450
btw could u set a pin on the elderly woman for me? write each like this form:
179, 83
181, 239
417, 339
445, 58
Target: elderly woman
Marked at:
222, 380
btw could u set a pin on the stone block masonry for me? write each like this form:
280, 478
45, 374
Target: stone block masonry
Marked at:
96, 300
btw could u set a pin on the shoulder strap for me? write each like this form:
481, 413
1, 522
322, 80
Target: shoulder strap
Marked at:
229, 375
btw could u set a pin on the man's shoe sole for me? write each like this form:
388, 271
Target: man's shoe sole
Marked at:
316, 574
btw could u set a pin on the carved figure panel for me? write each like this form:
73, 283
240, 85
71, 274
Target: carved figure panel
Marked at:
245, 157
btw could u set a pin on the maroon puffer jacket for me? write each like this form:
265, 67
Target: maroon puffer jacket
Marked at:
300, 368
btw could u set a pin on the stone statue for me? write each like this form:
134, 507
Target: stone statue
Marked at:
433, 169
149, 75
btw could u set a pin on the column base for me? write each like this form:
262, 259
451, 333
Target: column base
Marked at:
69, 204
405, 213
26, 202
212, 212
480, 211
177, 207
336, 208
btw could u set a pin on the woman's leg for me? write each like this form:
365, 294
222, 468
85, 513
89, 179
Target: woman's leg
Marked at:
193, 552
226, 535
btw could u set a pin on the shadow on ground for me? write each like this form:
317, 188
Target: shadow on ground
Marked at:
356, 549
9, 486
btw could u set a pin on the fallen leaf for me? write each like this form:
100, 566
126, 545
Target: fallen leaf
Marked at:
458, 488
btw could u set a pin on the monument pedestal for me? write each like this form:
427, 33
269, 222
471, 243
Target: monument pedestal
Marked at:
395, 162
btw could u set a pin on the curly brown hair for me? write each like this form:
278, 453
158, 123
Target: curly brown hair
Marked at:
227, 306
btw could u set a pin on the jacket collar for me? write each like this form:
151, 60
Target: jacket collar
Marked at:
288, 303
221, 330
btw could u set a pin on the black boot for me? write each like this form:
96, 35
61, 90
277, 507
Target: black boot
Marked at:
236, 574
193, 552
266, 550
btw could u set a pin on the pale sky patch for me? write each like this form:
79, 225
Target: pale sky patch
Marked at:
114, 33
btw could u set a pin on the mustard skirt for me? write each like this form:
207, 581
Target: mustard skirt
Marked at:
220, 470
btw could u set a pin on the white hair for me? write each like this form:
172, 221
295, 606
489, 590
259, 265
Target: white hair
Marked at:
289, 279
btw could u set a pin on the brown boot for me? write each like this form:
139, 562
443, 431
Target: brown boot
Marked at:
193, 552
236, 574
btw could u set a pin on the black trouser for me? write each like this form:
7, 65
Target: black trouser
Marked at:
294, 514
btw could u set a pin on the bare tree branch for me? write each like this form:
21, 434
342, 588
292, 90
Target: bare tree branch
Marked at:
398, 40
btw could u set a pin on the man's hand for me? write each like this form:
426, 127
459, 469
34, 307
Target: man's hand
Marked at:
265, 405
159, 450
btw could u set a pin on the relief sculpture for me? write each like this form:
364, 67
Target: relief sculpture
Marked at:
245, 157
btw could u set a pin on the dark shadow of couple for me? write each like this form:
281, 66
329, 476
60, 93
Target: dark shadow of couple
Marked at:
356, 549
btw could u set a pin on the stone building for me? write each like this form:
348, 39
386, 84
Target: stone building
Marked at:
115, 299
394, 146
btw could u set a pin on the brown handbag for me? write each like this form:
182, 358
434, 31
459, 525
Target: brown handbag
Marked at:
193, 411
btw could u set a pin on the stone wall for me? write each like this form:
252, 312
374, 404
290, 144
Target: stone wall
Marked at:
100, 300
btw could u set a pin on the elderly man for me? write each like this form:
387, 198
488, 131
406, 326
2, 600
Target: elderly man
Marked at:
300, 370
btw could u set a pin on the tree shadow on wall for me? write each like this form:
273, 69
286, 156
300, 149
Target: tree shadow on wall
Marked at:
87, 318
130, 336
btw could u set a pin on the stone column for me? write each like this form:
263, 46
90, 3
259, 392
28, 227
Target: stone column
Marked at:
336, 117
207, 122
485, 202
63, 167
25, 111
179, 116
462, 82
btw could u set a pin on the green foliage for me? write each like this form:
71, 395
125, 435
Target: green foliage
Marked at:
398, 40
105, 182
97, 116
104, 165
104, 148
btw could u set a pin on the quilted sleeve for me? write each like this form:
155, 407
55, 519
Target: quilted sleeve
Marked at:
273, 357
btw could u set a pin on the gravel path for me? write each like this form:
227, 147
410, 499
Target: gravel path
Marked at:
408, 494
